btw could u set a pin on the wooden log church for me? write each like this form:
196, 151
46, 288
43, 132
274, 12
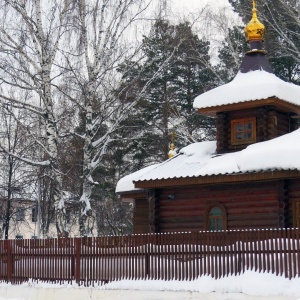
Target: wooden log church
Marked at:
249, 177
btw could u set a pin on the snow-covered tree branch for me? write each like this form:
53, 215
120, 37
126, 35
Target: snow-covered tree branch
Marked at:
30, 34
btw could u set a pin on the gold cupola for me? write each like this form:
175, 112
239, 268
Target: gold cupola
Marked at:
172, 151
255, 30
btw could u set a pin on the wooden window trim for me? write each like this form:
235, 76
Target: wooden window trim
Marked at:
234, 141
224, 215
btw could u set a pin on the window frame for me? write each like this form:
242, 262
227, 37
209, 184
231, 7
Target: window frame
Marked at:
243, 121
34, 214
224, 216
20, 214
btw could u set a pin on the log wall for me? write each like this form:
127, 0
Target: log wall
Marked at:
252, 205
269, 124
141, 216
274, 204
294, 203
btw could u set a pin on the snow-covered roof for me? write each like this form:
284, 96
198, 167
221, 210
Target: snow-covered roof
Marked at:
251, 86
199, 159
127, 183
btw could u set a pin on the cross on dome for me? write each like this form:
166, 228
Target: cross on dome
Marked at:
255, 30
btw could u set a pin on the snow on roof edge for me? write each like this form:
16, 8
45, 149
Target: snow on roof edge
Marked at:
224, 174
252, 86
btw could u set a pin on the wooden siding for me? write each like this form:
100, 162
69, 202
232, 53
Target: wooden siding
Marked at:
141, 216
222, 132
269, 124
153, 203
279, 124
253, 205
294, 199
266, 204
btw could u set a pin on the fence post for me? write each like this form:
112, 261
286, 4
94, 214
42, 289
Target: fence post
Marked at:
9, 260
147, 260
77, 259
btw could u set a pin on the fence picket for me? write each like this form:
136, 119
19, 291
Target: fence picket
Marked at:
167, 256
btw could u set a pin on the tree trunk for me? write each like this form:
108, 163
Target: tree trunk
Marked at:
52, 141
8, 203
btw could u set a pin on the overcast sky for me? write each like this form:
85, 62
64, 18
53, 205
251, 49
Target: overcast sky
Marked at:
188, 9
191, 10
192, 5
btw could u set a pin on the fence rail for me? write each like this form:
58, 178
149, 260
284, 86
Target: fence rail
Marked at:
181, 256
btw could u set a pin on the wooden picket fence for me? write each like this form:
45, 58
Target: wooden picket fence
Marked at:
166, 256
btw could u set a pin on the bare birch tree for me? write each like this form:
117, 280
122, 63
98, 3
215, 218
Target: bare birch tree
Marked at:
103, 44
30, 35
14, 176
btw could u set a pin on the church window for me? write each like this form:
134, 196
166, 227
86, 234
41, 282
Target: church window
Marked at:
216, 218
243, 131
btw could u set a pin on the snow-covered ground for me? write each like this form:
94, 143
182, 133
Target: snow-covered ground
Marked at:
250, 285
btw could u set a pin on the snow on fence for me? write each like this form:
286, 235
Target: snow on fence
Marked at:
182, 256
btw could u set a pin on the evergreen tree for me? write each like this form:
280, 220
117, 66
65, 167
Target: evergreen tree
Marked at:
192, 76
167, 104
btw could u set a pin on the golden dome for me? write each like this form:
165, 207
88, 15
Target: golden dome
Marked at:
255, 30
172, 151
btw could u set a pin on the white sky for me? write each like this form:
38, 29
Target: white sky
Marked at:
213, 30
195, 11
191, 5
185, 8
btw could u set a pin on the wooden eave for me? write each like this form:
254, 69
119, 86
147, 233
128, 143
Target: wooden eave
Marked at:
131, 195
218, 179
281, 105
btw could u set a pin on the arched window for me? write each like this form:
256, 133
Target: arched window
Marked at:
216, 218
